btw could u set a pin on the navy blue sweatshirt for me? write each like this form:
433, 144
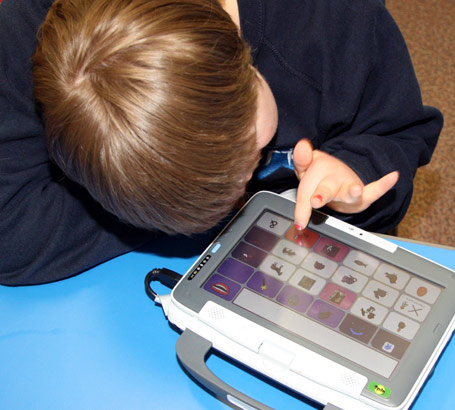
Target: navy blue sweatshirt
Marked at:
342, 77
340, 73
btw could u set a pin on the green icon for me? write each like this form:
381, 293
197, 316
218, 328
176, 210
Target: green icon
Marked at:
379, 389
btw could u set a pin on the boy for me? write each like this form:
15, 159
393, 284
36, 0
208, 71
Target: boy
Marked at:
160, 110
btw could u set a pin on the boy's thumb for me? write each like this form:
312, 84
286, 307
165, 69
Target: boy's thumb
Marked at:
303, 156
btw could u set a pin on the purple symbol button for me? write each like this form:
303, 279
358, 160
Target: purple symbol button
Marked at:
265, 284
222, 287
262, 239
235, 270
248, 254
325, 313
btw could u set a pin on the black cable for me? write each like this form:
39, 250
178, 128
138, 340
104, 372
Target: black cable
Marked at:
165, 276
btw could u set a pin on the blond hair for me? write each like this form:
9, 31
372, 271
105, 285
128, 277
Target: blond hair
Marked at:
150, 105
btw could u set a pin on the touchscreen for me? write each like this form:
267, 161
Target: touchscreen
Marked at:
342, 299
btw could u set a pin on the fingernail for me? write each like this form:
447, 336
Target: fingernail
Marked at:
318, 197
299, 227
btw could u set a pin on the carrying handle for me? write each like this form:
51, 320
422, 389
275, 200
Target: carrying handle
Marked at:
192, 351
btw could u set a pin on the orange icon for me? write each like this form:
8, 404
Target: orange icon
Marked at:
422, 291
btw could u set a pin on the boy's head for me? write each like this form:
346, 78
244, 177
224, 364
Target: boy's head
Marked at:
151, 105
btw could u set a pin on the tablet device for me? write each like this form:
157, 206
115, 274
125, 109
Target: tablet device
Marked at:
336, 313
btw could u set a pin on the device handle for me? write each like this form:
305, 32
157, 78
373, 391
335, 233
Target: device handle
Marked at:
192, 351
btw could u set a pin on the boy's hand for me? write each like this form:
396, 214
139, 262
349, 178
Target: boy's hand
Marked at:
325, 180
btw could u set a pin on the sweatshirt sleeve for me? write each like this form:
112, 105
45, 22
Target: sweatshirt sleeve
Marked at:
50, 227
372, 113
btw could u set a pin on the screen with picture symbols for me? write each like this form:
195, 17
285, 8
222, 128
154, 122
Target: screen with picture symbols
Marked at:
351, 303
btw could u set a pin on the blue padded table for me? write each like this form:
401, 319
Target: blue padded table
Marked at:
96, 341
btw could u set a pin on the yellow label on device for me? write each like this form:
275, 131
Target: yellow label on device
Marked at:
379, 389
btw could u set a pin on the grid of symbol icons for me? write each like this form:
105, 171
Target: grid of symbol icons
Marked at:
342, 288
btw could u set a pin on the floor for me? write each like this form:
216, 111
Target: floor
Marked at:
428, 27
